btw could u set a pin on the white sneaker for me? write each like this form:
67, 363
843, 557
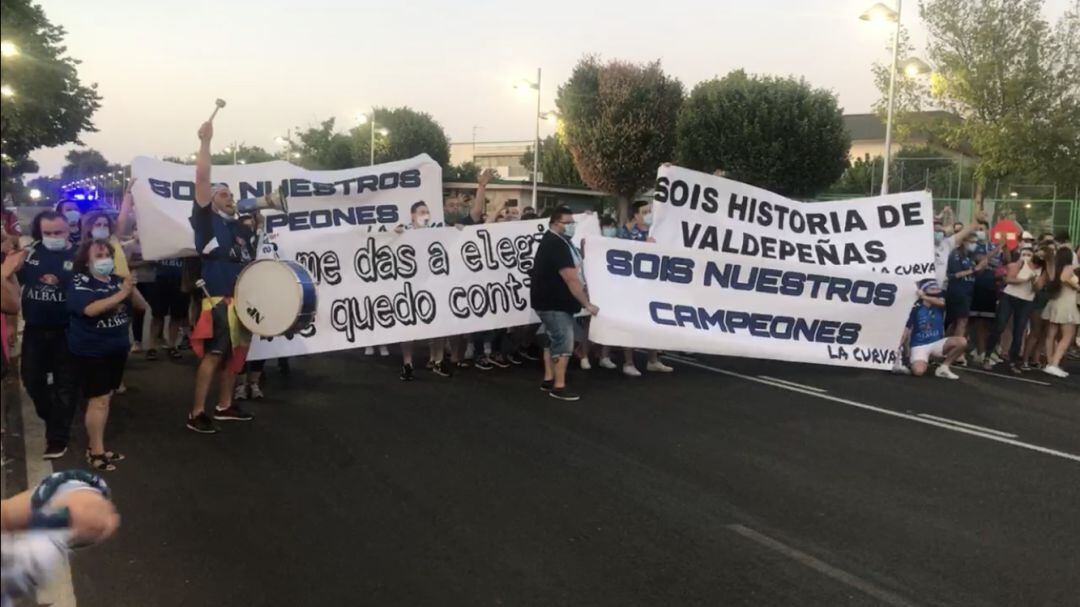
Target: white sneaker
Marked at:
384, 351
607, 363
256, 392
945, 372
369, 351
470, 351
585, 365
658, 367
978, 359
630, 371
240, 393
996, 358
1056, 371
900, 369
962, 361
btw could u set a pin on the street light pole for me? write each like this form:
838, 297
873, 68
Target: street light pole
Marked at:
892, 101
536, 144
372, 149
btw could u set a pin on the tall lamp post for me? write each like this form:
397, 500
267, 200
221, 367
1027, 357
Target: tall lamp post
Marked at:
364, 118
880, 13
526, 85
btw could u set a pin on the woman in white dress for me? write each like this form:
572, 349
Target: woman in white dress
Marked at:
1061, 312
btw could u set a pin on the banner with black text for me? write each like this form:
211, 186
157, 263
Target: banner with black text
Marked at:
379, 195
672, 298
890, 234
382, 287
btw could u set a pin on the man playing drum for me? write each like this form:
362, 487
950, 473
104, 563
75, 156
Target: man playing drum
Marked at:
218, 338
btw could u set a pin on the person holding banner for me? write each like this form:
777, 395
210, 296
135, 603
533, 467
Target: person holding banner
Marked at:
557, 293
927, 325
636, 229
218, 338
420, 217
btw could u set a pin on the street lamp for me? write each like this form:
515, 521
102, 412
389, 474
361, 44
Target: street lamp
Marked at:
879, 13
914, 67
551, 117
525, 85
364, 118
35, 194
8, 49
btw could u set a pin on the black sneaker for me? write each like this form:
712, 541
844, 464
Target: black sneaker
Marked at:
151, 354
499, 360
547, 385
442, 369
513, 359
54, 451
563, 394
232, 414
283, 366
406, 373
484, 364
202, 424
527, 354
464, 364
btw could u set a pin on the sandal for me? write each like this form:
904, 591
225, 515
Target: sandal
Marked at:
112, 456
100, 463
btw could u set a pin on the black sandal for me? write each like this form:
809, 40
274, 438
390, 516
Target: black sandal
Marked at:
100, 463
112, 456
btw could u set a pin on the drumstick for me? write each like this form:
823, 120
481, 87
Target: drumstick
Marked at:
220, 103
202, 285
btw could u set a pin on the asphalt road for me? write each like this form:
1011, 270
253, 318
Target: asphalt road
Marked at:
716, 485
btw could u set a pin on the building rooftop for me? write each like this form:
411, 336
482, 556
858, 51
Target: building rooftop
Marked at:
870, 127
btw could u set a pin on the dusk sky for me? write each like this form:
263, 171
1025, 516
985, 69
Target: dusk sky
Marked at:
280, 64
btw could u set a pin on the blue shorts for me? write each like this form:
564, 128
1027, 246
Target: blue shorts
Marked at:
559, 327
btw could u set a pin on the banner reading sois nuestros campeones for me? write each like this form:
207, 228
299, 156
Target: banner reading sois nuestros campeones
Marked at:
379, 195
890, 234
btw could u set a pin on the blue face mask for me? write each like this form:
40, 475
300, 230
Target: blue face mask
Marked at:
647, 219
100, 233
104, 266
970, 247
72, 216
938, 237
608, 231
54, 244
569, 229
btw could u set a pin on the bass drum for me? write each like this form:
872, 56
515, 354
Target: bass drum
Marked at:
275, 297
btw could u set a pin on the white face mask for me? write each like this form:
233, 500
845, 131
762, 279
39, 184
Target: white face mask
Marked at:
608, 231
569, 229
423, 221
647, 219
100, 233
54, 244
104, 266
72, 217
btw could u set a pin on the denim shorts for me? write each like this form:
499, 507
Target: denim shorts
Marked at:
559, 327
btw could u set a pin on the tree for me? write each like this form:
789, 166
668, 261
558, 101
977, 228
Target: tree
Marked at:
410, 133
84, 163
467, 172
322, 148
775, 133
556, 162
245, 154
619, 124
50, 106
1014, 81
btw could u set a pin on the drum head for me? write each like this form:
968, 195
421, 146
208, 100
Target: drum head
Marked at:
268, 297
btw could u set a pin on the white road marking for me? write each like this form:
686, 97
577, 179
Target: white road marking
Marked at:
1001, 439
58, 592
822, 567
791, 383
1001, 375
966, 425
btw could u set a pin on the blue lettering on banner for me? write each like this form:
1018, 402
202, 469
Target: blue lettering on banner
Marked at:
768, 326
325, 218
185, 189
796, 284
650, 266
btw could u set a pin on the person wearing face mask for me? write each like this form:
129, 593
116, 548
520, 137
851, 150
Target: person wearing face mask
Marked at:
46, 275
224, 245
927, 326
945, 244
100, 306
636, 229
97, 225
1061, 312
962, 269
1022, 281
985, 294
70, 211
556, 294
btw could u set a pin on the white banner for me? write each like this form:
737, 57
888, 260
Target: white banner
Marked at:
382, 287
671, 298
363, 196
888, 234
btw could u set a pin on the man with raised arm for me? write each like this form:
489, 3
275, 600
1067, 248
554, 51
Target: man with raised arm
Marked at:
218, 338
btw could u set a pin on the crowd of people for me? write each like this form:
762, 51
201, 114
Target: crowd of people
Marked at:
83, 290
1002, 305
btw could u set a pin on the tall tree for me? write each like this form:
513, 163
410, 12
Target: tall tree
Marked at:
775, 133
619, 123
322, 148
1012, 78
556, 162
245, 154
84, 163
50, 106
408, 133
